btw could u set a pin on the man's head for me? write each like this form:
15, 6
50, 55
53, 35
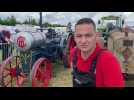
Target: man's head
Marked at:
85, 34
6, 33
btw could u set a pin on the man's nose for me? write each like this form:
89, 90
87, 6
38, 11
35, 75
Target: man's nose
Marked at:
83, 39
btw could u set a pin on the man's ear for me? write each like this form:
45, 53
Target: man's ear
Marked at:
96, 34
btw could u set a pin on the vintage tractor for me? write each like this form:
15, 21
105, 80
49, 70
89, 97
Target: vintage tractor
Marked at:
121, 43
37, 51
108, 23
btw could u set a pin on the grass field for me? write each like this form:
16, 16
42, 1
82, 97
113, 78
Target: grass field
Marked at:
61, 76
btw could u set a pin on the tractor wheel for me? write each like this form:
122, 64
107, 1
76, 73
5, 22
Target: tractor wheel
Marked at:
41, 73
70, 44
11, 72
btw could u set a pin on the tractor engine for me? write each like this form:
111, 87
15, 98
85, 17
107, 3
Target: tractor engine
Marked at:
26, 41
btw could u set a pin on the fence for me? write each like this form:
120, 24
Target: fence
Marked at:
6, 50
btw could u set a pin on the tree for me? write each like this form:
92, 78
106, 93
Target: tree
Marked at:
33, 22
1, 21
26, 22
46, 24
8, 21
12, 21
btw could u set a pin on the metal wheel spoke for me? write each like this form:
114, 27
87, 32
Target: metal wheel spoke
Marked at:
9, 71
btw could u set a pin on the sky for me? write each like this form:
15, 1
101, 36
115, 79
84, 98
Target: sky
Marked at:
65, 17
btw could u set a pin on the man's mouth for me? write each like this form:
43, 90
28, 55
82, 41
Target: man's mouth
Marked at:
83, 46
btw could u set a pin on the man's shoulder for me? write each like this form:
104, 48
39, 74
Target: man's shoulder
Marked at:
107, 54
107, 59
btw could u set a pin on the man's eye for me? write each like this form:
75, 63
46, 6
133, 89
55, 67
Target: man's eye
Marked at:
78, 35
89, 35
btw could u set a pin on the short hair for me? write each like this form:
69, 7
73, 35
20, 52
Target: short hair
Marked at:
86, 21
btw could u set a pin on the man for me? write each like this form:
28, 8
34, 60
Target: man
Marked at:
92, 65
2, 39
5, 40
7, 36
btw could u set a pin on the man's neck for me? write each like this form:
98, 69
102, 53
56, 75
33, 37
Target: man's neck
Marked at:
86, 54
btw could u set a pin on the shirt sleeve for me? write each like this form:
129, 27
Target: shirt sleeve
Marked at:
112, 75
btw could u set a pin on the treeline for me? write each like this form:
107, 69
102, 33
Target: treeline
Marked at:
52, 25
12, 22
9, 21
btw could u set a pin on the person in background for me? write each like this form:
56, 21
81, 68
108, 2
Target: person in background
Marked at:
5, 43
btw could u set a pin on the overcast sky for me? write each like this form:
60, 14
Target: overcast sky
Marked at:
64, 17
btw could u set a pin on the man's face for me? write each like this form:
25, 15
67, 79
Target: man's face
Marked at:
85, 37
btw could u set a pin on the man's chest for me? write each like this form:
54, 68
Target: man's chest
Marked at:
84, 66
